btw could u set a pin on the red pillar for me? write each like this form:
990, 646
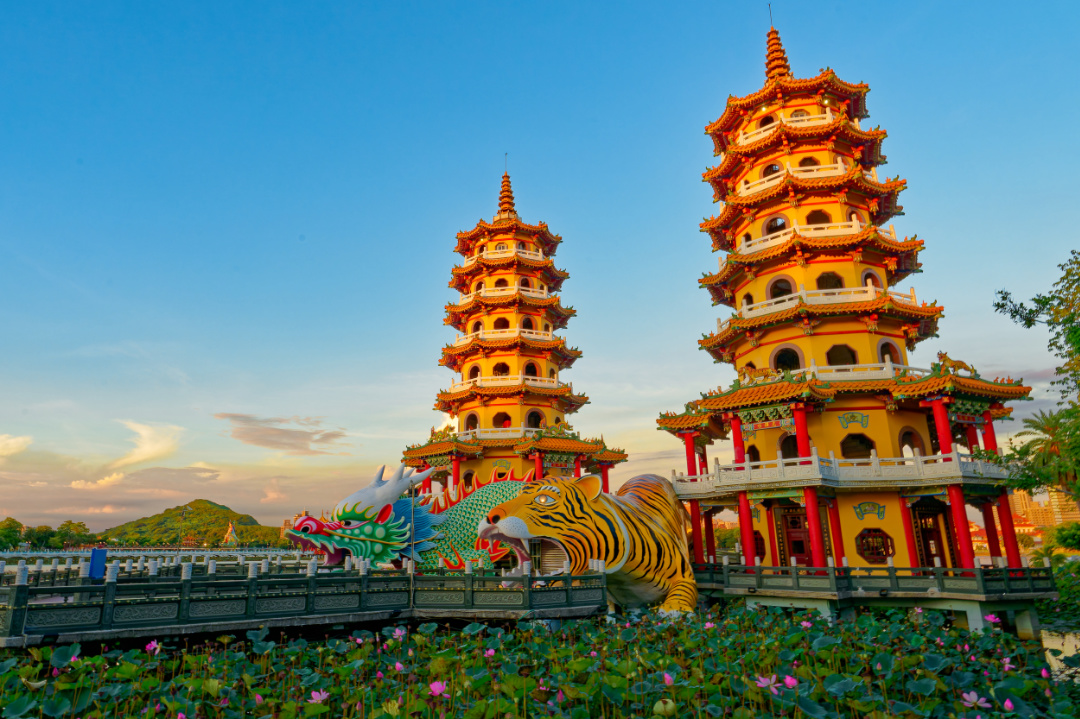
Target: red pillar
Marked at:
961, 530
991, 530
703, 463
909, 533
691, 461
710, 538
577, 465
737, 439
456, 466
604, 467
837, 535
972, 437
773, 552
1008, 531
695, 510
425, 486
944, 428
538, 472
802, 435
813, 525
746, 527
989, 436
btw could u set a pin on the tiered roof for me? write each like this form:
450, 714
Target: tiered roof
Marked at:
455, 356
560, 439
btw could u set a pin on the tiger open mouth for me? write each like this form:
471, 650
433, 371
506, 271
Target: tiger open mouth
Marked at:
520, 547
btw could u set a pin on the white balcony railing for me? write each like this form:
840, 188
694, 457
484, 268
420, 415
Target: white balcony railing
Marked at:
497, 433
805, 121
509, 380
504, 292
830, 229
834, 472
859, 372
502, 254
503, 334
809, 173
817, 297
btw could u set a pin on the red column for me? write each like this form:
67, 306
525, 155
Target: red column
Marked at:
538, 472
710, 539
944, 428
604, 467
802, 436
703, 463
691, 462
456, 466
577, 465
695, 510
813, 525
1008, 531
773, 552
425, 486
909, 533
961, 530
989, 437
737, 439
972, 437
837, 535
746, 527
991, 530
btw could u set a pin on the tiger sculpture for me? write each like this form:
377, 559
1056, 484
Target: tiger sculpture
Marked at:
639, 532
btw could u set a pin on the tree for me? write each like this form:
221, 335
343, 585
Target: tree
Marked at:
38, 536
1025, 541
1066, 536
1059, 311
70, 533
10, 533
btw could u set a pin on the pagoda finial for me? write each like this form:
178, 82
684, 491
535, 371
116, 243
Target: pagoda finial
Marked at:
506, 200
776, 62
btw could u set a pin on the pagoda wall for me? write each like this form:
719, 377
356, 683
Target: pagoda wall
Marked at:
848, 332
518, 411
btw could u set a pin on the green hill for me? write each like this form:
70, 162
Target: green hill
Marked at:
206, 522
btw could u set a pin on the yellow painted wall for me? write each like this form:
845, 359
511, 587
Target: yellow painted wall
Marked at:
893, 525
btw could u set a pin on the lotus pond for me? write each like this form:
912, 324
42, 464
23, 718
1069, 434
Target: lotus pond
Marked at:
737, 663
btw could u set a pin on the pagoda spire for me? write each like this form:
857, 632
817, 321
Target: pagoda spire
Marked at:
776, 62
506, 200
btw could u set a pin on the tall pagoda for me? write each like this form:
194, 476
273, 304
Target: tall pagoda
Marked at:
509, 403
843, 452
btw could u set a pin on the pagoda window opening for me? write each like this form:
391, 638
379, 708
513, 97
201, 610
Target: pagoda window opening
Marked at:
775, 224
500, 247
478, 327
818, 217
809, 162
875, 545
888, 352
910, 442
766, 121
856, 446
530, 370
502, 324
551, 374
479, 287
474, 372
521, 245
830, 281
870, 278
501, 421
747, 299
501, 370
800, 113
787, 359
789, 447
527, 323
501, 282
535, 420
841, 355
472, 423
854, 217
780, 288
770, 170
525, 283
547, 327
746, 239
759, 545
558, 420
467, 480
753, 454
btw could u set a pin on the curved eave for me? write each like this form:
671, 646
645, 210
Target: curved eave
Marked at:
484, 230
558, 444
853, 179
456, 355
447, 401
436, 449
614, 456
456, 314
462, 276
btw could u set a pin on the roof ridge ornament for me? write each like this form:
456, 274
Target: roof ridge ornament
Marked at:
776, 61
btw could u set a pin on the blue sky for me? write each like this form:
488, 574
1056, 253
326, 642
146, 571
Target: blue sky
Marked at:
226, 229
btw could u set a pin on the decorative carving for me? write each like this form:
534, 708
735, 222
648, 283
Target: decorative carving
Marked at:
436, 597
748, 375
145, 612
219, 608
63, 617
500, 598
949, 365
860, 418
280, 604
338, 601
386, 599
589, 595
866, 508
547, 598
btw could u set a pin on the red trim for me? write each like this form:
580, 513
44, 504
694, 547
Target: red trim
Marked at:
835, 531
909, 533
710, 539
604, 467
961, 530
813, 524
943, 427
991, 529
772, 535
988, 435
737, 439
876, 408
695, 531
746, 528
1008, 531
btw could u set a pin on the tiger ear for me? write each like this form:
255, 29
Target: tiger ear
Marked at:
591, 485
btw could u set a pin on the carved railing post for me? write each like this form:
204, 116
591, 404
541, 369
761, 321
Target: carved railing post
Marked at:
184, 612
312, 586
17, 602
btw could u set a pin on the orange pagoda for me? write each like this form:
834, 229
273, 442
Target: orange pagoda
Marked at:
509, 403
844, 453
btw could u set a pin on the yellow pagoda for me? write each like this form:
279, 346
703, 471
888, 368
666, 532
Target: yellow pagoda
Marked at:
509, 403
844, 453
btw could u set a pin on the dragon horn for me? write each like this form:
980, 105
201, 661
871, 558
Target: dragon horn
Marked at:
415, 479
378, 474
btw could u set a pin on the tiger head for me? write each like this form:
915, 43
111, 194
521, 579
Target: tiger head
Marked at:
566, 515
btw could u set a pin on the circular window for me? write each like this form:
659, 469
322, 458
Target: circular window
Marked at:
875, 545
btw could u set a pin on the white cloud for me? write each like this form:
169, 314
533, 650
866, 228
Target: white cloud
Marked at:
11, 445
102, 483
151, 443
272, 493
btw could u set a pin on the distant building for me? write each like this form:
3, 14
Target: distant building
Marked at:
230, 536
1060, 509
290, 523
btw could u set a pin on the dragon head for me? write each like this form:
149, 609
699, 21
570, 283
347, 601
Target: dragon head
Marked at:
376, 523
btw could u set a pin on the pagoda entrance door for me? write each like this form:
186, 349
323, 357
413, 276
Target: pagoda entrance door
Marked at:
932, 533
796, 536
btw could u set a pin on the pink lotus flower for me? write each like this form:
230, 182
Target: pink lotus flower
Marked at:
972, 700
56, 672
769, 683
1045, 674
560, 697
790, 682
1008, 705
489, 653
378, 675
1007, 665
153, 647
181, 715
398, 666
318, 697
592, 654
992, 618
805, 624
918, 610
438, 689
709, 625
399, 633
258, 699
668, 679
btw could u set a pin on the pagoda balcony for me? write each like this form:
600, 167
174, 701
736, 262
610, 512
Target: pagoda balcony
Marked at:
509, 380
824, 118
503, 254
497, 433
504, 292
872, 472
859, 372
807, 173
829, 229
816, 297
504, 334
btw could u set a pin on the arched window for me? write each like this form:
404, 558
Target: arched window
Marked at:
856, 446
479, 286
874, 545
474, 372
759, 545
477, 326
766, 121
551, 374
871, 278
753, 454
776, 224
789, 446
800, 113
558, 420
472, 422
809, 162
889, 353
501, 421
502, 323
525, 283
467, 480
500, 246
547, 327
841, 355
910, 440
501, 370
780, 288
770, 170
535, 420
530, 369
818, 217
527, 323
830, 281
521, 245
746, 238
787, 359
747, 299
501, 282
854, 217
